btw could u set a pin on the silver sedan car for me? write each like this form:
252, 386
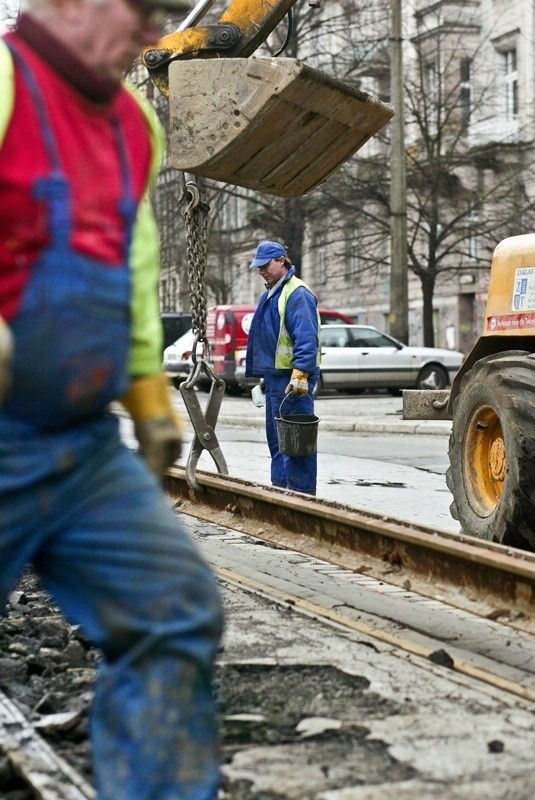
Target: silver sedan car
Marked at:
358, 357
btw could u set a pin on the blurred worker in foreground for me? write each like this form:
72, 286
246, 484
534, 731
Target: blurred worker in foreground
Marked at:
80, 328
283, 349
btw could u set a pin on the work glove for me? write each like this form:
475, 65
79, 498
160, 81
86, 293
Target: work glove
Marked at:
6, 352
157, 426
298, 382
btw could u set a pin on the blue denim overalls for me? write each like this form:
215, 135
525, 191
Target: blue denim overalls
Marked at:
298, 473
94, 522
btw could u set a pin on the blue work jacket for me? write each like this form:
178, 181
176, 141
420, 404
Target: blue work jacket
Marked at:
301, 323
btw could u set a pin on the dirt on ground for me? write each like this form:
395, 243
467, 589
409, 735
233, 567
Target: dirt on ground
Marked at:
47, 668
299, 712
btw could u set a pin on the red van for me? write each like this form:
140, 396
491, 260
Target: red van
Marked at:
227, 330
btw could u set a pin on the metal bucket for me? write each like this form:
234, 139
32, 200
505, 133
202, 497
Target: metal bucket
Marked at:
297, 433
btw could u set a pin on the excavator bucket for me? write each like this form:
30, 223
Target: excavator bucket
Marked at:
273, 125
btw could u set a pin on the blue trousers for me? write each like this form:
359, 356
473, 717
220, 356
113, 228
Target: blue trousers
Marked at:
113, 555
289, 472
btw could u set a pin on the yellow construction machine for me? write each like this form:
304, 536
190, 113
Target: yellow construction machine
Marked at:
274, 125
492, 404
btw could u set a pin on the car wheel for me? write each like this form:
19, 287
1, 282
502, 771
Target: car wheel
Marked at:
318, 388
234, 389
432, 376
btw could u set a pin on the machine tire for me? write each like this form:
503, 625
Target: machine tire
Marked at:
234, 389
441, 378
492, 450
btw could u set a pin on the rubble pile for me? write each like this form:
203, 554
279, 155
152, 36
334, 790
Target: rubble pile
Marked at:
47, 667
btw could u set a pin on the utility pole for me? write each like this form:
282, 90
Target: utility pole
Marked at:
399, 296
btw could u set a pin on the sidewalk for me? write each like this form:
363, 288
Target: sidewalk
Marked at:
361, 413
368, 424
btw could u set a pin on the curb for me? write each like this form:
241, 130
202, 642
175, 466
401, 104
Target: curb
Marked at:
429, 428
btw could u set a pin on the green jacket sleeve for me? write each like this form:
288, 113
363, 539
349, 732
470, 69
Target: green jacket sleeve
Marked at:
146, 332
146, 329
7, 89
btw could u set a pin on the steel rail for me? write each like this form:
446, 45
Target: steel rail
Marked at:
497, 574
42, 769
337, 618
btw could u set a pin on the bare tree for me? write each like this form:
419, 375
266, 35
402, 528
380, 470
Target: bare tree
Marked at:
462, 198
330, 41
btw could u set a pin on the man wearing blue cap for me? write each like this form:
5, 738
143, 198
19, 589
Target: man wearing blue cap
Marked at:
283, 349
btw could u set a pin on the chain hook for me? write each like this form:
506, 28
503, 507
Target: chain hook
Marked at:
193, 190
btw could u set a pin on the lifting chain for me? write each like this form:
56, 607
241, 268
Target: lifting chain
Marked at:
196, 218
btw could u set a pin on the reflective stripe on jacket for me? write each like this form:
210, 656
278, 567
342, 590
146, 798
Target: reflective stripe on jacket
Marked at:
300, 318
285, 348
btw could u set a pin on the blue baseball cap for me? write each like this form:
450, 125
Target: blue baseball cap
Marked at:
265, 252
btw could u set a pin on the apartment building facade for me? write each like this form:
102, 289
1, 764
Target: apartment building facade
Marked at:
469, 92
470, 156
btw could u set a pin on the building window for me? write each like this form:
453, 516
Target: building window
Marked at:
473, 238
431, 84
319, 242
466, 92
229, 217
352, 256
473, 247
510, 83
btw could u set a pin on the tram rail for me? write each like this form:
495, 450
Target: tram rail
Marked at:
50, 777
499, 577
41, 768
292, 520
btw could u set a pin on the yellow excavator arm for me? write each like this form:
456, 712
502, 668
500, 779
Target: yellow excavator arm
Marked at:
240, 30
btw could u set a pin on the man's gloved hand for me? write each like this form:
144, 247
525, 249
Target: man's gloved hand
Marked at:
157, 426
6, 352
298, 382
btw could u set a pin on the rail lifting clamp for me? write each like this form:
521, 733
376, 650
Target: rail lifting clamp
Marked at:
203, 422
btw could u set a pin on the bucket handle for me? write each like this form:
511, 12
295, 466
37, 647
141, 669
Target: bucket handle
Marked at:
286, 396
